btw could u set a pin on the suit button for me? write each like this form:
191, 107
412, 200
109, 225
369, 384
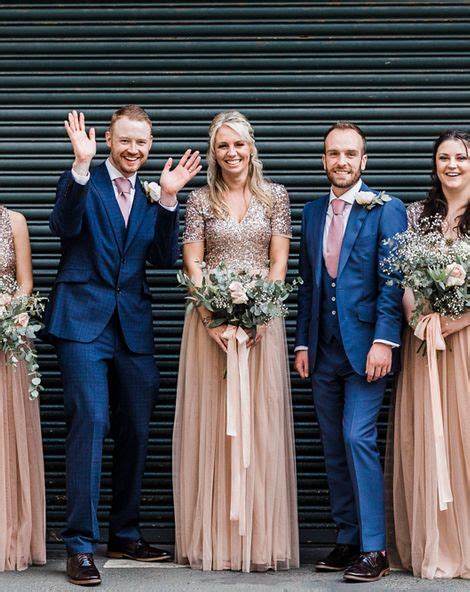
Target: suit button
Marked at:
118, 290
333, 312
333, 298
333, 285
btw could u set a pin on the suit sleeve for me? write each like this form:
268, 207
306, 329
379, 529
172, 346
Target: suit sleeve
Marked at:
389, 300
164, 251
67, 215
304, 304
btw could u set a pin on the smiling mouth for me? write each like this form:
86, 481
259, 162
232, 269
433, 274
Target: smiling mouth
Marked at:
233, 162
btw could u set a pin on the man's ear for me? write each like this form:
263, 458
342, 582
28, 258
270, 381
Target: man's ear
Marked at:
363, 162
108, 138
323, 159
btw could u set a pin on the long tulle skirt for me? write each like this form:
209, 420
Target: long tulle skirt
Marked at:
430, 542
22, 498
206, 538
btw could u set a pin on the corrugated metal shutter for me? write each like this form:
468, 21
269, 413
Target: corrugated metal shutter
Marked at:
400, 69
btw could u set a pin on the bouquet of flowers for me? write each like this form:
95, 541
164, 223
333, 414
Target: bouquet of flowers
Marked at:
238, 298
435, 268
19, 323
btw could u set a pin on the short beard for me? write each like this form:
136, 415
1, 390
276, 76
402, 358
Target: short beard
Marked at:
344, 184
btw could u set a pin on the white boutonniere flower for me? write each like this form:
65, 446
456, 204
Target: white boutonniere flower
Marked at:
369, 200
152, 191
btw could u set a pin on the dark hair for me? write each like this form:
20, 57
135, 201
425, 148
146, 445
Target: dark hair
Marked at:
436, 202
347, 125
133, 112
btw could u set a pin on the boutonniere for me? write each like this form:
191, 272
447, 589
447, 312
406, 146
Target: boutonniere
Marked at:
152, 191
368, 199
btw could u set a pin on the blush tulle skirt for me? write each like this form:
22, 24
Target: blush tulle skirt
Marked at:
206, 538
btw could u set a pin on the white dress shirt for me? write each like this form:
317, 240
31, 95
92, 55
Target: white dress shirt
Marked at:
114, 174
349, 197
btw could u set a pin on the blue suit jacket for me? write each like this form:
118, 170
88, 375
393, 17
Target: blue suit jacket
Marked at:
102, 265
368, 308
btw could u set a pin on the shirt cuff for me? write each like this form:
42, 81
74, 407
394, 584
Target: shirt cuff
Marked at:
301, 348
169, 208
81, 179
387, 342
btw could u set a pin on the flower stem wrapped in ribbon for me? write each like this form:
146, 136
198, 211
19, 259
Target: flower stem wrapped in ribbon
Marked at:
19, 323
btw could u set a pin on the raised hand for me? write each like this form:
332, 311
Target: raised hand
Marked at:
83, 144
172, 181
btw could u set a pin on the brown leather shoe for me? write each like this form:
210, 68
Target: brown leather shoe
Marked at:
81, 570
339, 558
138, 550
370, 566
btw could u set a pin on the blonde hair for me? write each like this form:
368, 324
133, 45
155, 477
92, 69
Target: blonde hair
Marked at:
257, 184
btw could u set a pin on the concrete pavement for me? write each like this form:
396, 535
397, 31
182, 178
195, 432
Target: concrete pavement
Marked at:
118, 577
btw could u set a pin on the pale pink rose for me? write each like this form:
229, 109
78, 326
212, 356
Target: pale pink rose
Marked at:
5, 299
456, 275
22, 319
238, 293
152, 190
365, 198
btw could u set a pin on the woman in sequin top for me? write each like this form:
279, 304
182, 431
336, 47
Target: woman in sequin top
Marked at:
243, 220
22, 497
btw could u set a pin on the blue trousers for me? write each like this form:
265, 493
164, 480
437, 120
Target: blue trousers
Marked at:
347, 407
100, 377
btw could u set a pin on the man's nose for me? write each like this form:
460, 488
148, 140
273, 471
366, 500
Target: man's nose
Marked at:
342, 159
132, 147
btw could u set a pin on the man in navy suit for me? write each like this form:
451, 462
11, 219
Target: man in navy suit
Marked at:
348, 330
100, 319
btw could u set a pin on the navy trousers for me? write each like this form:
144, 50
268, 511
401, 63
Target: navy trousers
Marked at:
98, 378
347, 407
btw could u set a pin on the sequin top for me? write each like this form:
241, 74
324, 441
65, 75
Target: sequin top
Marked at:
7, 246
413, 213
243, 245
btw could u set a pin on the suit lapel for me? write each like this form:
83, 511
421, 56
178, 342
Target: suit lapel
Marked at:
317, 232
356, 219
139, 207
104, 186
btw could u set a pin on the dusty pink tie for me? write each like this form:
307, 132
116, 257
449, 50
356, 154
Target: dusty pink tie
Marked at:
335, 237
124, 187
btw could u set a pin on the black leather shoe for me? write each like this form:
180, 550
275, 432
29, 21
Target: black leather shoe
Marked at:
138, 550
369, 567
340, 558
81, 570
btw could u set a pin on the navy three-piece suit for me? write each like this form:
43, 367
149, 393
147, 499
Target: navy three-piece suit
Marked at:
338, 320
100, 320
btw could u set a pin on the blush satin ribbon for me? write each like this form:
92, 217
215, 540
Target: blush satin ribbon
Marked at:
238, 420
429, 330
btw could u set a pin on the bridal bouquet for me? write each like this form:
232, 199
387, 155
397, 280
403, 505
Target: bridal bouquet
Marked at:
435, 268
19, 323
238, 298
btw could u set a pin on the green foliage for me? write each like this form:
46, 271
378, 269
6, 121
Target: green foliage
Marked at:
237, 297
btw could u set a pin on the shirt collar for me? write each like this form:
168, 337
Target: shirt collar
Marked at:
114, 173
350, 194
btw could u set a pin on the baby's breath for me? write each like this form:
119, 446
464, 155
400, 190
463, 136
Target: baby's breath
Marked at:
422, 257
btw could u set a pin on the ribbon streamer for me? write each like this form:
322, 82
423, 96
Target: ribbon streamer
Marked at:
238, 419
429, 330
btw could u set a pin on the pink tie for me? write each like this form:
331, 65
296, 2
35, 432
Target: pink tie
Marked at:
124, 187
335, 237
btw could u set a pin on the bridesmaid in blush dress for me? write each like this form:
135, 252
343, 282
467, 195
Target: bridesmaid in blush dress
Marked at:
243, 220
430, 541
22, 499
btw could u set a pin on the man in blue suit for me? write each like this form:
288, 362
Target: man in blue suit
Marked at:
100, 320
348, 330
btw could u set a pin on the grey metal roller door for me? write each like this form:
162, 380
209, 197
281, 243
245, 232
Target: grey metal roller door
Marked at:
400, 69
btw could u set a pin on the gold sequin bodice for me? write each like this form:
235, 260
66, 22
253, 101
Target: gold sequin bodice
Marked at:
7, 246
243, 245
